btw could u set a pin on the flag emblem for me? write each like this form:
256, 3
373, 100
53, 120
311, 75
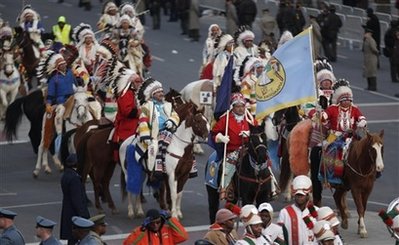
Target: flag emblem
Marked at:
272, 81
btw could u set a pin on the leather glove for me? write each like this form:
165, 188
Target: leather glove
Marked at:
362, 123
169, 124
220, 138
49, 109
244, 133
165, 214
147, 141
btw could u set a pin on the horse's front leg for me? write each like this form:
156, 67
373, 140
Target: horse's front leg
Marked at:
339, 195
38, 161
107, 176
130, 210
178, 205
173, 193
3, 97
47, 168
138, 207
198, 149
57, 162
97, 191
357, 197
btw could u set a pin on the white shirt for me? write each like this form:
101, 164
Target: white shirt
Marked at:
305, 235
258, 241
273, 231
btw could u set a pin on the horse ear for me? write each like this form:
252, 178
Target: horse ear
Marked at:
382, 133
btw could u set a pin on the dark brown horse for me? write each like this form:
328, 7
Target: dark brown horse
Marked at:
365, 158
30, 54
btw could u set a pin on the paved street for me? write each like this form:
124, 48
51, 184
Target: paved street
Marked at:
176, 62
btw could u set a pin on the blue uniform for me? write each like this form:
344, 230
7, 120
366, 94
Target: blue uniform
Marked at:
60, 87
51, 241
12, 236
88, 240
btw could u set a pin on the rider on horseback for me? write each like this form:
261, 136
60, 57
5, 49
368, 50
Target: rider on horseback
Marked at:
157, 123
237, 135
30, 22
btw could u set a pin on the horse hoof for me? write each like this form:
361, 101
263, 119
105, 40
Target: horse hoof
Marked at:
114, 211
47, 171
61, 168
35, 173
363, 234
130, 215
140, 215
344, 225
180, 216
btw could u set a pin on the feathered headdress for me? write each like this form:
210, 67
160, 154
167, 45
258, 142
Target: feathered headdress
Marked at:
108, 49
147, 89
125, 18
127, 7
70, 53
247, 65
221, 42
49, 63
285, 37
341, 90
243, 33
324, 71
109, 5
81, 31
27, 10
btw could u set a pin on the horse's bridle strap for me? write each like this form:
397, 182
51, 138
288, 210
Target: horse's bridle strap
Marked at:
261, 182
174, 155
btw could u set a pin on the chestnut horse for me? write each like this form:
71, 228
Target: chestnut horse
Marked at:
365, 158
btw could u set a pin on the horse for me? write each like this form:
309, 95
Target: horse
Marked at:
287, 119
83, 109
252, 180
30, 54
10, 79
201, 94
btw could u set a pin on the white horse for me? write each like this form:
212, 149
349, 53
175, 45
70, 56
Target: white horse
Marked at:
85, 108
10, 80
201, 93
194, 126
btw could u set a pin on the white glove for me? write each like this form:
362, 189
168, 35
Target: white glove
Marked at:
220, 138
244, 133
169, 124
362, 123
147, 141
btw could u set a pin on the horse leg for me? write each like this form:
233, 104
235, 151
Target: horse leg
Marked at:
97, 191
339, 195
358, 198
178, 205
314, 172
38, 161
138, 206
47, 168
107, 176
173, 193
198, 149
213, 203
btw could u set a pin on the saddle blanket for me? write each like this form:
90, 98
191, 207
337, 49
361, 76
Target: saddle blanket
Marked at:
333, 162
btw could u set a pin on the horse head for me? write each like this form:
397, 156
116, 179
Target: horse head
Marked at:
376, 149
81, 102
7, 63
290, 115
197, 121
257, 144
174, 97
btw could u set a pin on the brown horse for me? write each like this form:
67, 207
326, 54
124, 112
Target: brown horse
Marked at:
365, 158
30, 54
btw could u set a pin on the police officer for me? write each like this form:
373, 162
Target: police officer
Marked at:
44, 231
62, 31
11, 235
81, 231
99, 228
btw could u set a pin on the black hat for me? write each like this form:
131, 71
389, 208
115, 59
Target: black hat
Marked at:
99, 219
45, 223
153, 214
4, 213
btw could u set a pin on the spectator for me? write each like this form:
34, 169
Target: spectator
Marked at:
231, 17
395, 53
157, 228
99, 228
81, 231
62, 31
222, 232
389, 40
183, 7
299, 20
246, 12
11, 235
286, 18
44, 231
373, 23
317, 39
194, 21
330, 23
267, 24
370, 54
155, 10
274, 231
291, 216
74, 201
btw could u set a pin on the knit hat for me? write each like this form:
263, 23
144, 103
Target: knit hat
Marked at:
223, 214
301, 185
342, 91
48, 64
327, 214
237, 98
82, 31
322, 231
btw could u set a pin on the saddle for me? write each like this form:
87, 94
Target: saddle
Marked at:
69, 104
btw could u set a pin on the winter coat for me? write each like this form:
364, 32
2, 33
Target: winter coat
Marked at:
74, 201
247, 12
373, 23
231, 18
194, 15
370, 53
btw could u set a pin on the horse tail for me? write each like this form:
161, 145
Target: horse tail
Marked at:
298, 147
13, 118
64, 151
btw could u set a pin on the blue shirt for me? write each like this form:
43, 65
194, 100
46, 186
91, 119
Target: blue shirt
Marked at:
162, 116
60, 87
